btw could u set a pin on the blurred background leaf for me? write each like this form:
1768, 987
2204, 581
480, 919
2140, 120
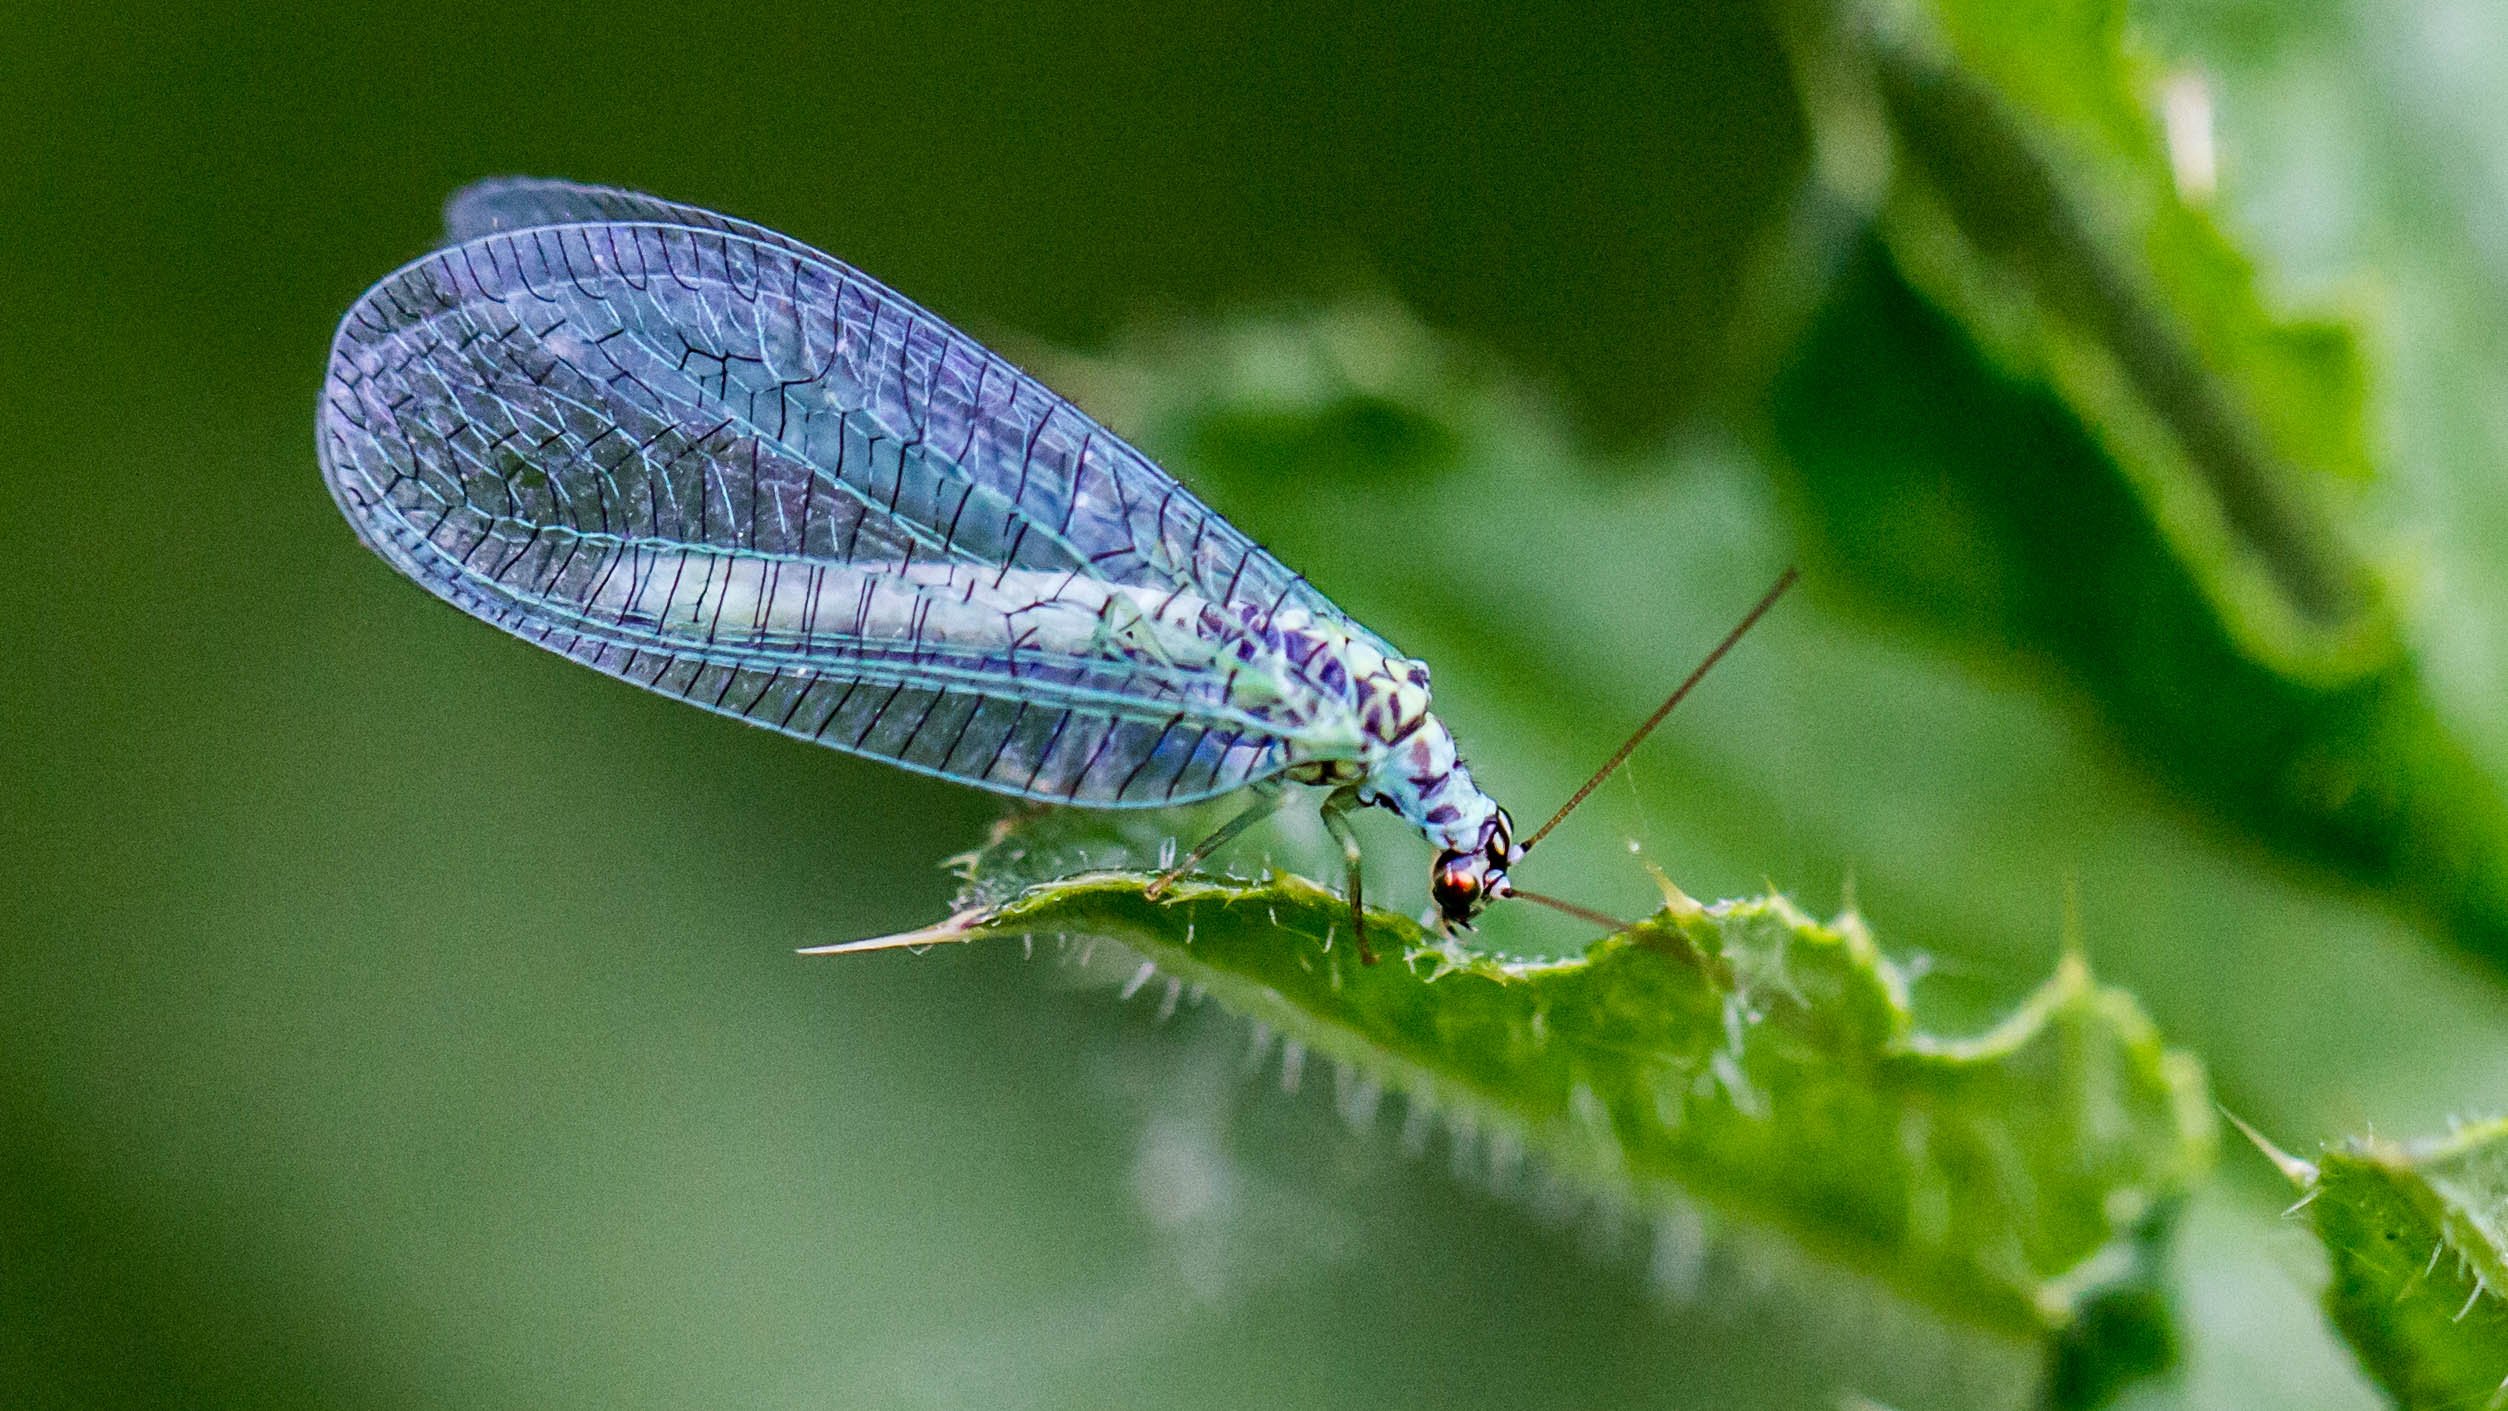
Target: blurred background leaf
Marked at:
392, 1015
2143, 475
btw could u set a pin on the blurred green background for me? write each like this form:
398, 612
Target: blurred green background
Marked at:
392, 1015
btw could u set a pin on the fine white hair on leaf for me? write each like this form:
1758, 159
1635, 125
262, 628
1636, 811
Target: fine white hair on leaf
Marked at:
1356, 1095
1676, 1266
1506, 1160
1139, 978
1418, 1116
1258, 1045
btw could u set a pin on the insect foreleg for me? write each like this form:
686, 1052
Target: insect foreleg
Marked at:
1336, 813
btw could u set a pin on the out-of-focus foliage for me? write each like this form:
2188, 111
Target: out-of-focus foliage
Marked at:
2053, 405
2417, 1234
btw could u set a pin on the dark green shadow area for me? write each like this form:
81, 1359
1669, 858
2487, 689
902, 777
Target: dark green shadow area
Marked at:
97, 1309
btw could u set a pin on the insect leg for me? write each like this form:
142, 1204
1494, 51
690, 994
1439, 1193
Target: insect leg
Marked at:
1267, 796
1336, 812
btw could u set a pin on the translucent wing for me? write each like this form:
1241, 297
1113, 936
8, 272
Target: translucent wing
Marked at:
715, 463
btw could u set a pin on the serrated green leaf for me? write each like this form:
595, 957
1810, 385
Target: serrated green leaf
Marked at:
2417, 1236
1741, 1054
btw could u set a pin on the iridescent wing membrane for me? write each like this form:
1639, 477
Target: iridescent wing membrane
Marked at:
720, 465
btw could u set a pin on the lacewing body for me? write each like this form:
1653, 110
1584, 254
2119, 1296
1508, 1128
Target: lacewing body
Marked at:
709, 460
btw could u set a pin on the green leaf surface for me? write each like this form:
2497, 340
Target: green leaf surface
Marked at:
2417, 1237
1741, 1054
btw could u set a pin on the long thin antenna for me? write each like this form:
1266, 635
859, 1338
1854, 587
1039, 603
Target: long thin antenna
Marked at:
1609, 924
1784, 581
